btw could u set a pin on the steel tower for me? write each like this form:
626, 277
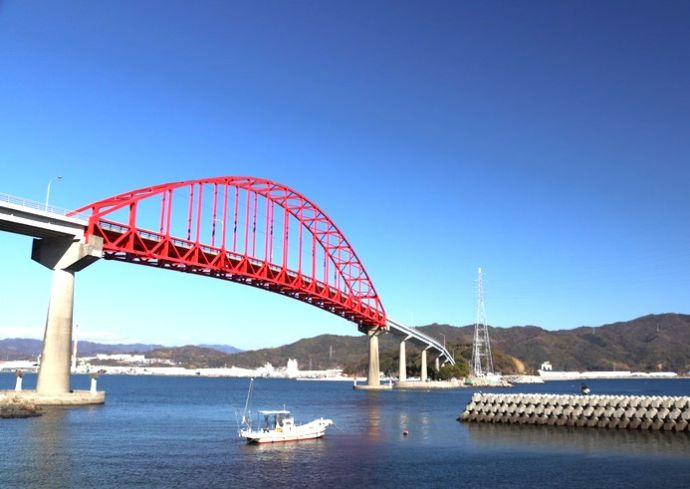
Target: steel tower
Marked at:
482, 362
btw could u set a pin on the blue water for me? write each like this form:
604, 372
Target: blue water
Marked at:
158, 432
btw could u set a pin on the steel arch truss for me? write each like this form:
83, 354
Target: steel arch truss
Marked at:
242, 229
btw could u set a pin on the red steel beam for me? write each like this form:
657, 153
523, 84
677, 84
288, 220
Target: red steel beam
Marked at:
346, 289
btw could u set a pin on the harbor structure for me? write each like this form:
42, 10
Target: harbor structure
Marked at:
667, 413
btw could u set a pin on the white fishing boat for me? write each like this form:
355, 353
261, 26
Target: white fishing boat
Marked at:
279, 426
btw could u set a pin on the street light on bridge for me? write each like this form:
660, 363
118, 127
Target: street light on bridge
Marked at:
213, 230
48, 191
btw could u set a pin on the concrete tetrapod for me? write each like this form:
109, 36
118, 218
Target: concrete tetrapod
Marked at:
604, 412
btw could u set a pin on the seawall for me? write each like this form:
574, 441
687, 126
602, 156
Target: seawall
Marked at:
611, 412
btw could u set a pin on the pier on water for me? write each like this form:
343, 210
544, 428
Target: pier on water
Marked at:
613, 412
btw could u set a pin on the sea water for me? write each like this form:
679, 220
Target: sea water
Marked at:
176, 432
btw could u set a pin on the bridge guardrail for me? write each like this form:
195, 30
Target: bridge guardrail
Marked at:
40, 206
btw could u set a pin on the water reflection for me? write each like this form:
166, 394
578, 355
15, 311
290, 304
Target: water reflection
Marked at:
285, 452
567, 439
48, 446
404, 423
424, 425
373, 424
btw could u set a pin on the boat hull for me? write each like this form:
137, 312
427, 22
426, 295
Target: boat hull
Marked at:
275, 439
309, 431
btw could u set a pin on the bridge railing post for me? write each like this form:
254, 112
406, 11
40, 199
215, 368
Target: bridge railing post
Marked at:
18, 385
94, 381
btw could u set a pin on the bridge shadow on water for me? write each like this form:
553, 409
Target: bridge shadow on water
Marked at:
557, 439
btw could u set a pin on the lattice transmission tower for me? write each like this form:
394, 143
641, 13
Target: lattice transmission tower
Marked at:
482, 362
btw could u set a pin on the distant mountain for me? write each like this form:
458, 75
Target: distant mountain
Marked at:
89, 348
319, 352
19, 349
649, 343
224, 348
657, 342
26, 349
191, 356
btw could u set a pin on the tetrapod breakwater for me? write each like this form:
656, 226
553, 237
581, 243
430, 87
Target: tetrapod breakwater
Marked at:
613, 412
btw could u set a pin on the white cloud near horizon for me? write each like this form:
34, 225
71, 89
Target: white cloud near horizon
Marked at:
31, 332
36, 333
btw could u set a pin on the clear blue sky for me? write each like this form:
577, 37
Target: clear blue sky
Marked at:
547, 142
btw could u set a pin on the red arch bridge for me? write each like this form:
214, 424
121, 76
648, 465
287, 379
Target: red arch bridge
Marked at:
247, 230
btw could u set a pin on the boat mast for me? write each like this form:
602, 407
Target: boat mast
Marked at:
246, 403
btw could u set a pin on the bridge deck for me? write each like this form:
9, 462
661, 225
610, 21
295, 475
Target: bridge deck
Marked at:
420, 338
30, 218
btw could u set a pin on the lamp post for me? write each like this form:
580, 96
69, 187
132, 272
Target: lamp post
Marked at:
213, 230
48, 191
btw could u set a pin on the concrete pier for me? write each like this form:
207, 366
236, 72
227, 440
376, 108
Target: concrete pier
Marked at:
611, 412
374, 371
373, 375
74, 398
65, 256
429, 385
402, 371
423, 376
54, 372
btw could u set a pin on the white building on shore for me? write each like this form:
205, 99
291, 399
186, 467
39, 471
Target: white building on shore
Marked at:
547, 373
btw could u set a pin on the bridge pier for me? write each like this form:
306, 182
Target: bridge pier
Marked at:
423, 375
402, 371
54, 371
64, 256
373, 373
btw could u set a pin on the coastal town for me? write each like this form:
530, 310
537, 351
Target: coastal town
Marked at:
140, 364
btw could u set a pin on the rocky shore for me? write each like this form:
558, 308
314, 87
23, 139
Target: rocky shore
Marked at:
15, 407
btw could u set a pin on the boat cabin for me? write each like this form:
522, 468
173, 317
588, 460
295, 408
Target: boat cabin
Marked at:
278, 420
